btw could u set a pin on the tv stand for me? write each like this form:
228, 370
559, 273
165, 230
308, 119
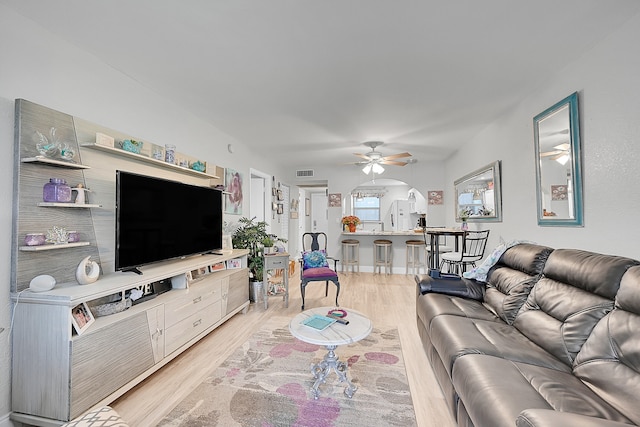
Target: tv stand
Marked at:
118, 351
133, 270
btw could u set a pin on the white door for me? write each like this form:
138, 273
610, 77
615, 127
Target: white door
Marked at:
319, 212
257, 198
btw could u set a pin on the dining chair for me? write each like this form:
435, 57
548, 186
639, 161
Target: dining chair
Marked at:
314, 264
473, 247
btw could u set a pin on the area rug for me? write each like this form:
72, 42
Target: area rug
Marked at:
266, 383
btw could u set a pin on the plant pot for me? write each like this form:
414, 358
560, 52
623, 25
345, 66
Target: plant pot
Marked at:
255, 291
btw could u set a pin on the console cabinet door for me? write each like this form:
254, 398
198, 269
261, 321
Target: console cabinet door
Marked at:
107, 359
238, 292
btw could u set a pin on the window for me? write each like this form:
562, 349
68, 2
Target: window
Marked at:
366, 208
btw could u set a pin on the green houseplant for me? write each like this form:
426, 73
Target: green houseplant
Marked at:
253, 235
249, 235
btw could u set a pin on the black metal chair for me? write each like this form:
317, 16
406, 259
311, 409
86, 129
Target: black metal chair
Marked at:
314, 265
473, 247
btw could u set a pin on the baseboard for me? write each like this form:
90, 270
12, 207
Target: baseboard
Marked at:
5, 421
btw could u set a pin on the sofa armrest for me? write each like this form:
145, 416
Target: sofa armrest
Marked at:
551, 418
459, 286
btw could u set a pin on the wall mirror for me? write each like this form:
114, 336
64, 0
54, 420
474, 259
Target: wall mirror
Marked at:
478, 195
558, 176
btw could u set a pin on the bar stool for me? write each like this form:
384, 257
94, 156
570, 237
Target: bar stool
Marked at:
414, 256
350, 255
382, 256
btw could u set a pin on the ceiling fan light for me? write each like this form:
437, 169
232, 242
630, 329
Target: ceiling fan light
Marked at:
377, 168
366, 169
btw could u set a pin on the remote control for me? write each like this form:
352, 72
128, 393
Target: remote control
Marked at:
337, 319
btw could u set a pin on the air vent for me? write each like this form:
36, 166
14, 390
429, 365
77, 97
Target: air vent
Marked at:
304, 173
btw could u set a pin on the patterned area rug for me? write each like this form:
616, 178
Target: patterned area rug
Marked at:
266, 383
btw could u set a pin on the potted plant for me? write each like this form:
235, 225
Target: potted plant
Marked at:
351, 221
268, 244
252, 235
249, 235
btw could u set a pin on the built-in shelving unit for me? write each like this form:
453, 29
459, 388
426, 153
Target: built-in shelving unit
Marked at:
146, 159
99, 363
52, 162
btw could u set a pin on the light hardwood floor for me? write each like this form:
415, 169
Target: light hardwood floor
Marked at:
387, 300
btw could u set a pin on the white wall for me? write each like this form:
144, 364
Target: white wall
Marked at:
42, 68
609, 91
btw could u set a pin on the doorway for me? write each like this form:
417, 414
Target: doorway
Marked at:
319, 212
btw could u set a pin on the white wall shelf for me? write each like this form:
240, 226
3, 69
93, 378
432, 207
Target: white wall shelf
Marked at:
146, 159
68, 205
49, 247
51, 162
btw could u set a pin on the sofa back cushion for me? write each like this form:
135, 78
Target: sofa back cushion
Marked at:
609, 361
511, 279
576, 291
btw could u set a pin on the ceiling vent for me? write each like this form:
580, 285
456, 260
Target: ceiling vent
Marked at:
304, 173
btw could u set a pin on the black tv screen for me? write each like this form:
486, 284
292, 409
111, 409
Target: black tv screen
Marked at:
158, 219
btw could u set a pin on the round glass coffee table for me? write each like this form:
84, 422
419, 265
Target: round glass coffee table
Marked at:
331, 337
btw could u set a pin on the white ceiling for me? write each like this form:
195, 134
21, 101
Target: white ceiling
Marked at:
316, 78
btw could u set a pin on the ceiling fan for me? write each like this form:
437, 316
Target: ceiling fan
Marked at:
559, 154
373, 160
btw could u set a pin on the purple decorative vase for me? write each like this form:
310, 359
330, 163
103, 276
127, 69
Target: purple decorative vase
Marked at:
56, 191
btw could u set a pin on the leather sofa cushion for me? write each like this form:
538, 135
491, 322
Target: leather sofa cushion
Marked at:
526, 257
511, 279
593, 272
429, 306
495, 391
473, 336
550, 418
609, 362
577, 290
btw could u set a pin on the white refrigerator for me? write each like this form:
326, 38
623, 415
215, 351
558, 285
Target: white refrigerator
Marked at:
400, 216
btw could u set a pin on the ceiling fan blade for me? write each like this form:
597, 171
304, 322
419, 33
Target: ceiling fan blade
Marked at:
392, 162
551, 153
362, 156
396, 156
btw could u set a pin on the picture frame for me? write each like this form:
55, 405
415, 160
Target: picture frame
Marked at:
234, 264
81, 317
335, 200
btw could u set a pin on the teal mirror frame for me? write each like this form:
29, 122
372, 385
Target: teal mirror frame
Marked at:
563, 118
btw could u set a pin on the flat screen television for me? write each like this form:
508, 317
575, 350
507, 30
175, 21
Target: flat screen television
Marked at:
159, 219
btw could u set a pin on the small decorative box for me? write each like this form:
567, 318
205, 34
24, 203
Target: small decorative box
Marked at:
34, 239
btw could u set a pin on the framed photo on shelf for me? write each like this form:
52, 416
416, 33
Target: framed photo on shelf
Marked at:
81, 317
233, 264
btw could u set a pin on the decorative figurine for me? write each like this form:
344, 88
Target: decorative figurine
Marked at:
87, 271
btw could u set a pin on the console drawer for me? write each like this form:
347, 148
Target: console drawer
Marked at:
189, 327
196, 297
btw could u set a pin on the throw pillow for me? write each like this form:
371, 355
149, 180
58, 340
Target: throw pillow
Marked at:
314, 259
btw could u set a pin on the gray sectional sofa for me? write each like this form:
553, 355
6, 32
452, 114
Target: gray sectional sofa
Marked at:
551, 339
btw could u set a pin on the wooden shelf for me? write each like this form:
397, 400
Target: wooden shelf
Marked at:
146, 159
51, 162
49, 247
68, 205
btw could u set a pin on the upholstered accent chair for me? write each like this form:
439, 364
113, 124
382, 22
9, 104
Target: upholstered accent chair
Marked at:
314, 264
